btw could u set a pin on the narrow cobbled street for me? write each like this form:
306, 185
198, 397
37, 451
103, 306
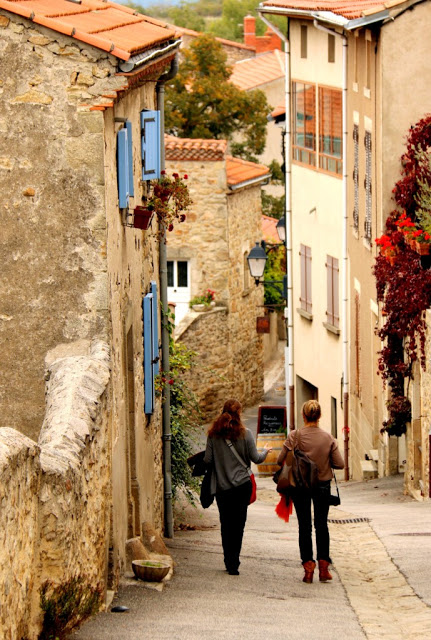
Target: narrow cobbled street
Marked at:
380, 588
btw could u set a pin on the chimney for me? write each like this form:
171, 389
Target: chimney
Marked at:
249, 31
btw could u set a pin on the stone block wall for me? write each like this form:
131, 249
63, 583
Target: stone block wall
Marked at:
56, 494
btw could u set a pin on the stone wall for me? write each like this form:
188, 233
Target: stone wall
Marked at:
55, 496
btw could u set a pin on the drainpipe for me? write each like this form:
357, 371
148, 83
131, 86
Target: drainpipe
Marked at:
344, 284
288, 311
166, 405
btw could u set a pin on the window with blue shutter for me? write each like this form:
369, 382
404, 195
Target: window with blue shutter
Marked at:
123, 168
147, 309
130, 157
150, 144
156, 357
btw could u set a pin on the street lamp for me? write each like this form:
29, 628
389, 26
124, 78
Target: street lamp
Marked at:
281, 229
256, 262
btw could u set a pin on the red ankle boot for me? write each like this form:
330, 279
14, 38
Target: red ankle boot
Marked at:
324, 575
309, 567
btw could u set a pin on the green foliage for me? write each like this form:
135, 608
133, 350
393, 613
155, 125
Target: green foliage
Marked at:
273, 206
65, 605
184, 15
201, 102
275, 269
230, 25
186, 417
277, 173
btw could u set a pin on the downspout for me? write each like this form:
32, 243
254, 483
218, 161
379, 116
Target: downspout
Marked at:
163, 265
288, 311
344, 284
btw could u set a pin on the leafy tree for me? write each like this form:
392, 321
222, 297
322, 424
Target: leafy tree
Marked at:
230, 25
184, 15
201, 102
272, 205
275, 269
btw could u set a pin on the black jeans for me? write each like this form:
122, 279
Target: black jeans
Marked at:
302, 500
232, 505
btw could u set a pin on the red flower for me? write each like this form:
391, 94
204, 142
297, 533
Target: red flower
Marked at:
185, 176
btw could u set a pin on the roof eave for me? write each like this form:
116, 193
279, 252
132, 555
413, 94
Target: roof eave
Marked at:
135, 62
327, 17
249, 183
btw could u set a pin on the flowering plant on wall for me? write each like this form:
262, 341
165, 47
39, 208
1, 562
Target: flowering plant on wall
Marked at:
206, 299
170, 199
403, 278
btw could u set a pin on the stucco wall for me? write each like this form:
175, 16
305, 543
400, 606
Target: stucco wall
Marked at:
56, 494
317, 222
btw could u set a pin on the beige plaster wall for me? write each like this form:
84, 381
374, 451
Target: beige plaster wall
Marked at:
317, 222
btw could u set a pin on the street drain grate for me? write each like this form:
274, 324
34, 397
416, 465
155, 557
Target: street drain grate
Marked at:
424, 533
349, 520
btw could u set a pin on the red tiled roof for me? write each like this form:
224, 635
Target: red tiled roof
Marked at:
194, 149
196, 34
349, 9
239, 171
104, 25
269, 231
253, 72
278, 111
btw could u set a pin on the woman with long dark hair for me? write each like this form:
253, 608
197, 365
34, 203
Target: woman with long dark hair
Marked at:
322, 449
231, 482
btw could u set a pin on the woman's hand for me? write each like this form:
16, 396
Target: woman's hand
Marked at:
267, 447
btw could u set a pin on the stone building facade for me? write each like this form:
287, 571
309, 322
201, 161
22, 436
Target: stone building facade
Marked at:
211, 247
74, 272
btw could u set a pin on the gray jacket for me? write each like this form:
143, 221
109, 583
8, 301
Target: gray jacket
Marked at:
229, 472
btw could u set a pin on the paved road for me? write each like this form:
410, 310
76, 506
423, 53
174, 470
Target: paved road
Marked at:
380, 544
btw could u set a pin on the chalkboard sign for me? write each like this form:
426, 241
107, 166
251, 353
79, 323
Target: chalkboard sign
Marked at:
271, 419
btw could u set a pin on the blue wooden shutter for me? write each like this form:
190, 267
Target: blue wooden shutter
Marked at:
156, 359
150, 143
148, 354
130, 157
122, 169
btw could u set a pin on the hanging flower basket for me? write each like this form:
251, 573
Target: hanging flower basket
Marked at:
142, 217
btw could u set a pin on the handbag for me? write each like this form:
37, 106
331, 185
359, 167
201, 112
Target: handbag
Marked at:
249, 471
335, 500
206, 497
284, 476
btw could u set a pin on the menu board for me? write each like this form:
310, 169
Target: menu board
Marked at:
271, 419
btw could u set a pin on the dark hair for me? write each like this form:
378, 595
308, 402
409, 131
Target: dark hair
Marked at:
311, 411
228, 424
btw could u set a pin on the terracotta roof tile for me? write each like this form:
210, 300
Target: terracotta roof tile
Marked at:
254, 72
194, 149
196, 34
239, 171
349, 9
269, 231
105, 25
278, 111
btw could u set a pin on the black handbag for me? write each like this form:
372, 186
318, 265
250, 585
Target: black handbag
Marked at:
206, 497
334, 500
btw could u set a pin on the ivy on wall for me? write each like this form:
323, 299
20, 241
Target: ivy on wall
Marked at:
403, 282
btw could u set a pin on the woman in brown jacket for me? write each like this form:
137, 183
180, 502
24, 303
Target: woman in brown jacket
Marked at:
322, 449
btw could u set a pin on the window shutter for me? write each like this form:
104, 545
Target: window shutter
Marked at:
148, 354
155, 318
308, 277
335, 292
122, 169
150, 144
329, 292
303, 278
130, 157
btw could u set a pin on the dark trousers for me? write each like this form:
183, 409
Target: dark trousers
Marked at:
302, 500
232, 505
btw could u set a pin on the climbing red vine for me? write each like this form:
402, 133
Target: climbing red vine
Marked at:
403, 284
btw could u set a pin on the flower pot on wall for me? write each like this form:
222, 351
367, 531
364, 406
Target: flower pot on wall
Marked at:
422, 248
142, 218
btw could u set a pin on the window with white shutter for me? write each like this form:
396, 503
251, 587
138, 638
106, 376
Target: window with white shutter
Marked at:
332, 280
367, 185
305, 266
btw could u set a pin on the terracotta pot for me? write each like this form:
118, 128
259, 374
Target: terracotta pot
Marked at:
142, 218
422, 248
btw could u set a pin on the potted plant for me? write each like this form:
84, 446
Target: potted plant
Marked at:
142, 217
203, 302
169, 200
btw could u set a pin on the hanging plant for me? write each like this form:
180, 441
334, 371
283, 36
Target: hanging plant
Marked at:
170, 200
403, 285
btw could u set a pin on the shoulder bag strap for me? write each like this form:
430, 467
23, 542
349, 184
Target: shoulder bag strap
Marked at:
237, 456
